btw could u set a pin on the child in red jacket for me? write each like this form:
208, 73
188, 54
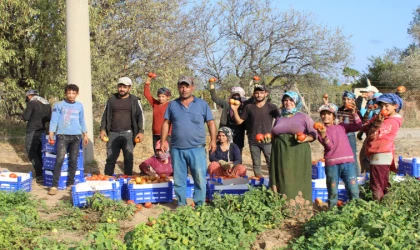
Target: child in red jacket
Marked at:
159, 106
381, 132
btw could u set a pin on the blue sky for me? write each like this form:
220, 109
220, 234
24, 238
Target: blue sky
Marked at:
374, 25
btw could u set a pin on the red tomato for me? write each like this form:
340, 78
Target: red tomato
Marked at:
232, 101
268, 135
139, 207
259, 137
384, 112
301, 137
12, 175
401, 89
129, 202
151, 75
256, 78
325, 95
340, 203
148, 204
318, 125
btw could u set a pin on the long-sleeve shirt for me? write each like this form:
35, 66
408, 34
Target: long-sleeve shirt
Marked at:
68, 119
157, 165
299, 122
37, 114
381, 139
232, 155
336, 144
158, 111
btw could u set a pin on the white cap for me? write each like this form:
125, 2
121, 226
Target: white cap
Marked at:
370, 89
125, 80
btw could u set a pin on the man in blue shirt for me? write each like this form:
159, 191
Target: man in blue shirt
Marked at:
68, 123
187, 115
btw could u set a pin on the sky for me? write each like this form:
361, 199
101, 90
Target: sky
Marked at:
374, 25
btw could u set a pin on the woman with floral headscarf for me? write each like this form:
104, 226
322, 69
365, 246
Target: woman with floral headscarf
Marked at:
227, 118
345, 115
290, 166
226, 160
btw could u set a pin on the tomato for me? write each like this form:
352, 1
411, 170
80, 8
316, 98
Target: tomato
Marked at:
301, 137
384, 112
259, 137
129, 202
213, 79
256, 78
12, 175
193, 204
162, 176
52, 142
151, 75
148, 204
237, 102
318, 201
370, 106
268, 135
299, 133
348, 106
137, 140
105, 139
401, 89
325, 95
232, 101
375, 106
318, 125
139, 207
340, 203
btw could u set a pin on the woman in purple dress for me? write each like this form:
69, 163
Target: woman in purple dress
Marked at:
290, 167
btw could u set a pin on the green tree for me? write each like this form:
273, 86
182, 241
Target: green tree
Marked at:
349, 72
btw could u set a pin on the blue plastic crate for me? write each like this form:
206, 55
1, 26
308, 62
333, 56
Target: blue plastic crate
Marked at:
62, 182
409, 166
22, 182
214, 187
259, 183
48, 161
81, 191
322, 192
154, 192
318, 170
46, 147
190, 188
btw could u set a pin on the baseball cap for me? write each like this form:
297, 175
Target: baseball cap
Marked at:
125, 80
186, 79
370, 89
31, 92
260, 87
331, 107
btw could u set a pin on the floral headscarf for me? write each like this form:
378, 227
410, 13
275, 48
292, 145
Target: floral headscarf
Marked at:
349, 94
331, 107
296, 99
162, 157
392, 99
228, 132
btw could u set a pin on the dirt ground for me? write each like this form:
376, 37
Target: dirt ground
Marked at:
13, 158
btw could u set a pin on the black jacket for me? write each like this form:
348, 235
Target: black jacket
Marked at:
38, 115
137, 116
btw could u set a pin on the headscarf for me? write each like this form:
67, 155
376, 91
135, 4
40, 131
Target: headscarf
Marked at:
392, 99
162, 157
40, 99
296, 99
164, 91
331, 107
228, 132
349, 94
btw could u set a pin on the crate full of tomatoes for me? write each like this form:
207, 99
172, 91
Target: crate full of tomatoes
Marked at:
109, 188
156, 188
14, 181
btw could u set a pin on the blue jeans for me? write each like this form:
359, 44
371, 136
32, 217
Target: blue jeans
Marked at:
347, 173
352, 140
34, 150
119, 141
71, 142
195, 158
256, 150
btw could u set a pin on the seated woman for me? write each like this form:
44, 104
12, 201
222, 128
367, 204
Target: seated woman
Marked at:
160, 163
226, 159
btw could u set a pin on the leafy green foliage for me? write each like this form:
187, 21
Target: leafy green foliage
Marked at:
232, 222
391, 224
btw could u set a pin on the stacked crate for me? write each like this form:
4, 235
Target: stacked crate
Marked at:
48, 164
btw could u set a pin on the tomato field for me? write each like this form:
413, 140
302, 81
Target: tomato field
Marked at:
228, 222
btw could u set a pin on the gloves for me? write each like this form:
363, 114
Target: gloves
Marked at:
225, 165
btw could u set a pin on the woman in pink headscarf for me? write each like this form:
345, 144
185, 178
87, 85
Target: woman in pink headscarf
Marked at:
160, 163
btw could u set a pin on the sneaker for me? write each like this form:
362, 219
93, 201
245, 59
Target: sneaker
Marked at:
53, 191
39, 179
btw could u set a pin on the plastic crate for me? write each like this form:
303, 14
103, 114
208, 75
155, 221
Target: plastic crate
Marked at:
190, 188
215, 187
62, 182
319, 190
318, 170
22, 182
155, 192
48, 161
81, 191
409, 166
46, 147
258, 183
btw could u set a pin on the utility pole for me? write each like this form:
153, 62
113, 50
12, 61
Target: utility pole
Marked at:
78, 61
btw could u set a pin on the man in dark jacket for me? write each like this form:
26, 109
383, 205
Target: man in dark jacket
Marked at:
38, 115
122, 121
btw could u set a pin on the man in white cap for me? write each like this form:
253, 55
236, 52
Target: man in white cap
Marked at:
122, 126
38, 115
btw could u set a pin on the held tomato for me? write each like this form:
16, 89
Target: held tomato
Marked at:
105, 139
237, 102
325, 95
348, 106
318, 201
12, 175
151, 75
370, 106
401, 89
148, 204
213, 79
301, 137
318, 125
375, 106
384, 113
232, 101
256, 78
268, 135
259, 137
129, 202
137, 140
299, 133
52, 142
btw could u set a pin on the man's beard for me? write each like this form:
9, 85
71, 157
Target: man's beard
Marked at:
123, 94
